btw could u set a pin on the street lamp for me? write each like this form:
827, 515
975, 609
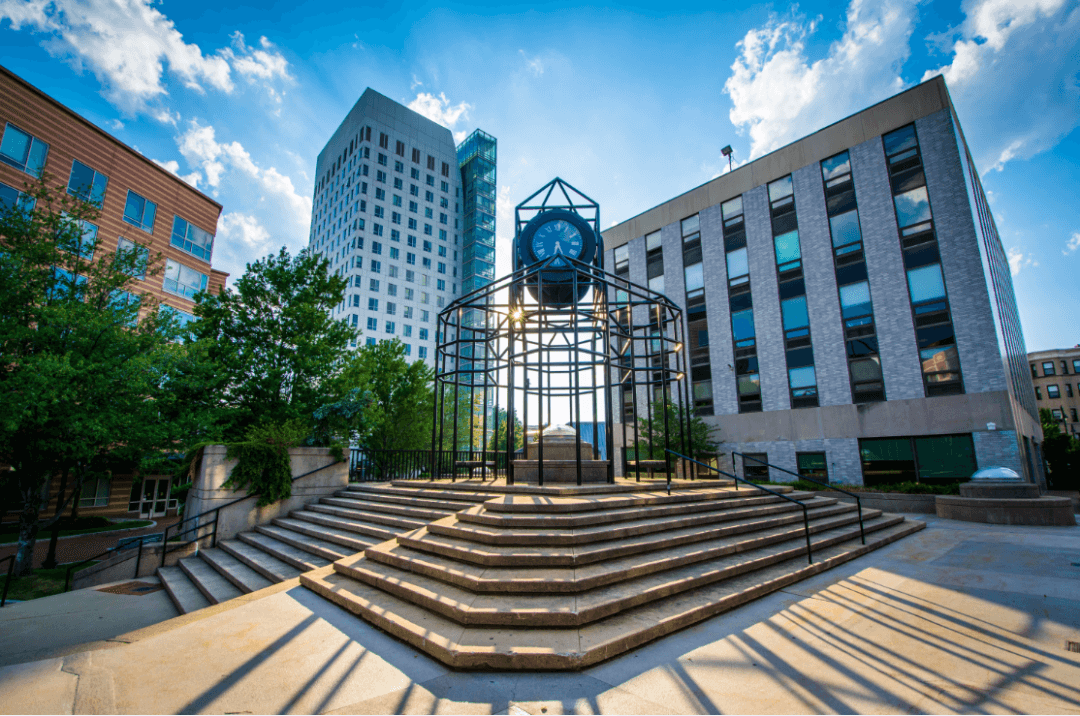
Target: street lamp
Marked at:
726, 151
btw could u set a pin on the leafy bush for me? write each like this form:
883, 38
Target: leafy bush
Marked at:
263, 466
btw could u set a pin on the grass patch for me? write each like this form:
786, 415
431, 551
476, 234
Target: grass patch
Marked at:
905, 488
9, 532
41, 583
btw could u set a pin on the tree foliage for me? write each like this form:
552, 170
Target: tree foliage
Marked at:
275, 346
656, 435
87, 360
1062, 453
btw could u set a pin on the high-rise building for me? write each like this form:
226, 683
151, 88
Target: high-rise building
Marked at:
1056, 374
388, 213
143, 208
865, 329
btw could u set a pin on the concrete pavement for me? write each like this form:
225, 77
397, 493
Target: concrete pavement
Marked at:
961, 617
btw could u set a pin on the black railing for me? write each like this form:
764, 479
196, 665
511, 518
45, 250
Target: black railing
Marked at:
858, 502
127, 543
366, 465
216, 512
7, 582
737, 479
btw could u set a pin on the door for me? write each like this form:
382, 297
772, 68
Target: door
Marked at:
155, 496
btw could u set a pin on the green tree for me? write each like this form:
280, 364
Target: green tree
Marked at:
1062, 453
654, 436
276, 348
85, 360
469, 414
499, 442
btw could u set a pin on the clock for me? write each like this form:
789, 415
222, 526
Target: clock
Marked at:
554, 238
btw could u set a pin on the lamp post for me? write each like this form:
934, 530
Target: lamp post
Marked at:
726, 151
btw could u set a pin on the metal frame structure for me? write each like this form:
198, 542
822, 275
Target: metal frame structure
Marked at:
508, 345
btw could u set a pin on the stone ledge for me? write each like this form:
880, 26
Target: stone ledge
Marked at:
1045, 511
890, 501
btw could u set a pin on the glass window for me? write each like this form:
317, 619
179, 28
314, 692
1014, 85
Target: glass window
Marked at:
23, 151
866, 370
945, 457
95, 493
691, 225
695, 277
1076, 366
780, 188
742, 324
1053, 392
1048, 368
183, 280
191, 238
787, 247
794, 312
657, 284
912, 207
836, 166
10, 197
732, 208
622, 257
940, 359
887, 460
845, 228
139, 257
737, 265
87, 184
85, 241
652, 241
749, 384
855, 299
373, 324
812, 465
140, 212
898, 141
926, 283
802, 378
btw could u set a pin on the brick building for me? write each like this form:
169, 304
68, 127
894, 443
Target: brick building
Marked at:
1056, 374
142, 205
864, 328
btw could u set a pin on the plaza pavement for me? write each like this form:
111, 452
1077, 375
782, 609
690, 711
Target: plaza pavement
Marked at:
958, 618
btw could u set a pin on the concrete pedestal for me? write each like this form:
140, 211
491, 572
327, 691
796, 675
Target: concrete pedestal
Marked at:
560, 472
1000, 490
1005, 502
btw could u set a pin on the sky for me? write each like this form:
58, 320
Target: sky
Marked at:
631, 104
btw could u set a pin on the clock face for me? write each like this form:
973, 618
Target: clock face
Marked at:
557, 238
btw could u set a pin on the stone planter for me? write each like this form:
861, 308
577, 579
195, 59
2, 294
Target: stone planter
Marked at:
891, 501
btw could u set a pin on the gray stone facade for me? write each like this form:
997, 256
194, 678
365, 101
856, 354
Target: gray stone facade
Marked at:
836, 427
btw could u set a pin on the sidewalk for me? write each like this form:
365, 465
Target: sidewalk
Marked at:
79, 547
959, 618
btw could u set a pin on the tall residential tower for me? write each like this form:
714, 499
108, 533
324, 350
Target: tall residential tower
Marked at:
392, 213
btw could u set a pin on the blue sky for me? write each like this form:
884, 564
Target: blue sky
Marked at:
631, 104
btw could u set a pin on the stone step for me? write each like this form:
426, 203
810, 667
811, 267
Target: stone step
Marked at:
566, 579
564, 610
182, 591
425, 493
416, 513
561, 489
511, 534
406, 501
361, 514
568, 505
306, 542
256, 558
494, 555
266, 540
351, 535
576, 647
245, 578
214, 586
478, 515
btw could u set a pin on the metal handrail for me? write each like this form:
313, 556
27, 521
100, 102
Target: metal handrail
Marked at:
216, 511
7, 582
138, 560
858, 502
737, 479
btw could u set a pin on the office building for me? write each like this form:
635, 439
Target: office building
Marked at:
395, 212
1056, 374
143, 207
857, 322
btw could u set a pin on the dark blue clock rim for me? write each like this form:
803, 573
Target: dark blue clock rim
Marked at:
588, 240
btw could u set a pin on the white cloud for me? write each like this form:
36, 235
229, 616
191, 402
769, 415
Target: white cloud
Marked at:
242, 234
128, 44
534, 64
415, 83
1073, 243
438, 109
1012, 75
200, 148
779, 95
173, 167
116, 125
1018, 260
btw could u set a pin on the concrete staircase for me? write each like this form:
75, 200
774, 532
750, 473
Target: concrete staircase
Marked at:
324, 531
562, 578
